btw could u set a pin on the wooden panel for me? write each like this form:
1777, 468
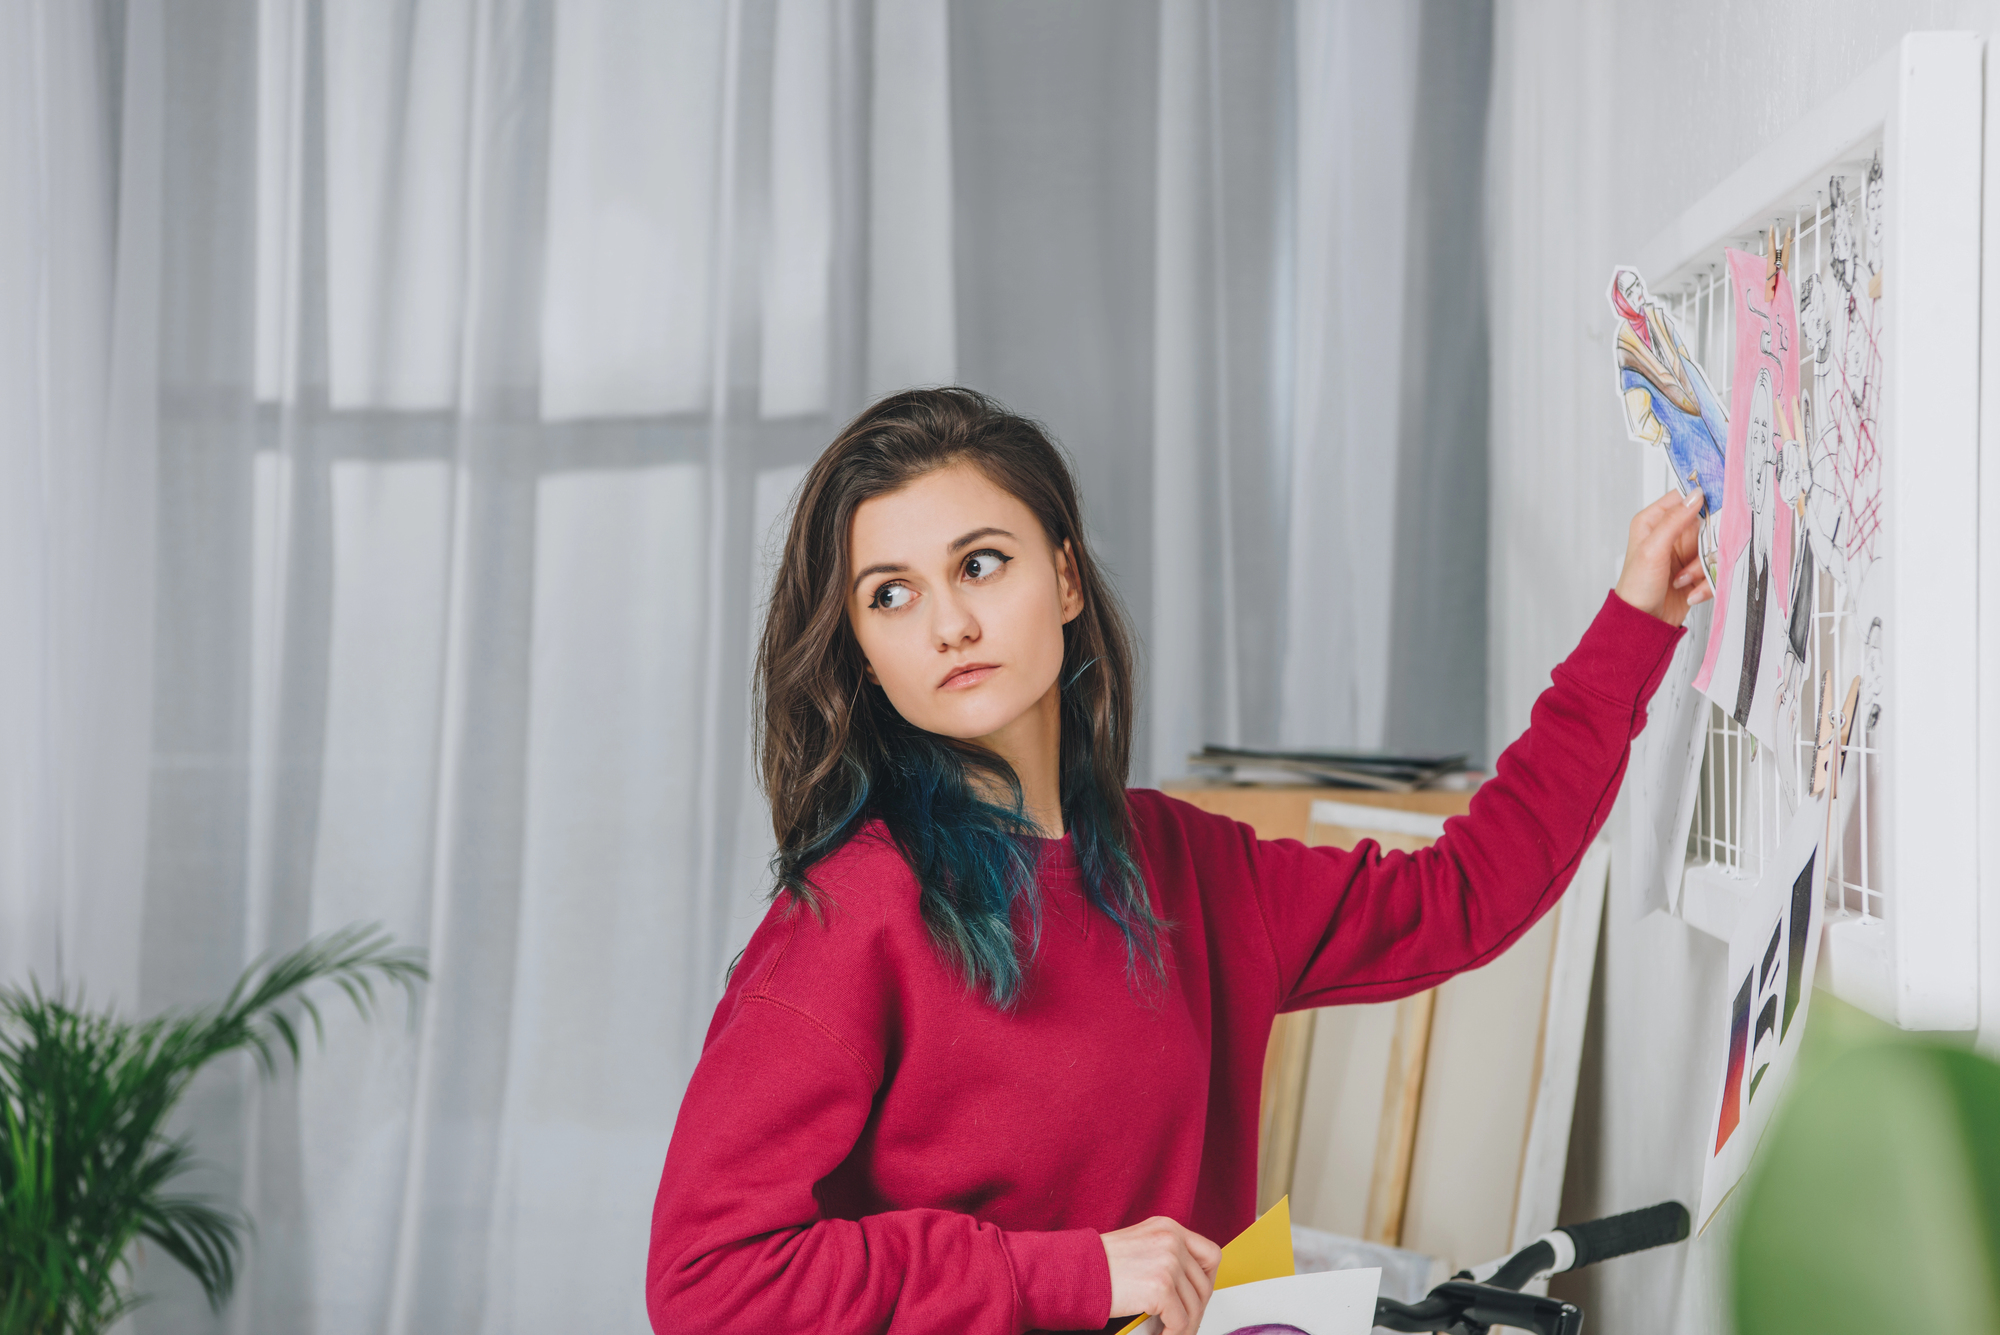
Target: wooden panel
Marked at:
1333, 1176
1396, 1133
1286, 1060
1361, 1092
1480, 1080
1565, 1010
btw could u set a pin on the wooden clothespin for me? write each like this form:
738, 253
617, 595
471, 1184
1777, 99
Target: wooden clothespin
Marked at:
1775, 259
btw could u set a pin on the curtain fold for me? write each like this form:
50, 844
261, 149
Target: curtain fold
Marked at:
79, 330
401, 402
1319, 378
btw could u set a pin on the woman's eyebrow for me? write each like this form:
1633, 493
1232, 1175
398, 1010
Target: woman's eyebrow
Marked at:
976, 535
884, 568
892, 568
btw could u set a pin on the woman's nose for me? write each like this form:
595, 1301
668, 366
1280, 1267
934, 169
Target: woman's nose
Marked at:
955, 623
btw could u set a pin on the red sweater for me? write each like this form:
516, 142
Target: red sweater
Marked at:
865, 1146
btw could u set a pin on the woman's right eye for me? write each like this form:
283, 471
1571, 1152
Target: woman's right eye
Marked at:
892, 597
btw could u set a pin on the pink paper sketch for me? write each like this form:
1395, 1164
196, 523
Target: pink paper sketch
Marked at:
1744, 662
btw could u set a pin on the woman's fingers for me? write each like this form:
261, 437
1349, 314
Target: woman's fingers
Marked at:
1664, 537
1162, 1269
1206, 1254
1201, 1280
1197, 1279
1188, 1303
1658, 509
1679, 520
1660, 512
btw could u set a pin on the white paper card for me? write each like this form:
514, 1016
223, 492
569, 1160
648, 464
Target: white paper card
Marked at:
1772, 957
1663, 775
1334, 1302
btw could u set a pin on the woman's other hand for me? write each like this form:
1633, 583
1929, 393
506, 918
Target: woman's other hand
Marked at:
1663, 574
1162, 1270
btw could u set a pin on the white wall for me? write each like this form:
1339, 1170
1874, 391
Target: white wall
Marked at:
1609, 117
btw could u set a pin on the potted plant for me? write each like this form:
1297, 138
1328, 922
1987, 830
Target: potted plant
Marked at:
1875, 1205
87, 1168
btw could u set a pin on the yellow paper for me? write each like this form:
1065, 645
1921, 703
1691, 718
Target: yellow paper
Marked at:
1261, 1251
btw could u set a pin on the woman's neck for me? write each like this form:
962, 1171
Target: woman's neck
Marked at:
1032, 744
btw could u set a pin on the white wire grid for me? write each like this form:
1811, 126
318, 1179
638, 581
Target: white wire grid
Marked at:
1746, 794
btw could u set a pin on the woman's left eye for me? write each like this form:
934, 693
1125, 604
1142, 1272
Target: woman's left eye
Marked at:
979, 565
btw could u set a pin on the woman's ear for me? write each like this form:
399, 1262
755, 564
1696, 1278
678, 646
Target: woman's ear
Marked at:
1072, 591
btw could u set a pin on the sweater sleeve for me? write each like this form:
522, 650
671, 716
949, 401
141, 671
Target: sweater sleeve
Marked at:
1361, 925
739, 1242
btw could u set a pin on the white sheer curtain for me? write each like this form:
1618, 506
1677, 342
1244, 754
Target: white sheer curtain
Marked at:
398, 396
79, 339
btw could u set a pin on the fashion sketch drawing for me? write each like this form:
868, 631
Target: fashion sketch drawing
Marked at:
1745, 664
1667, 399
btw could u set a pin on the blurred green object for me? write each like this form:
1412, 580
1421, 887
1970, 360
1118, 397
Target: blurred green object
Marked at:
86, 1167
1875, 1202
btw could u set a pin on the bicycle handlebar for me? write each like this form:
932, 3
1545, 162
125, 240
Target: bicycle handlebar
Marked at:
1575, 1245
1474, 1300
1633, 1231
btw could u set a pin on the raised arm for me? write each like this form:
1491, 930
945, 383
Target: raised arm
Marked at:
1356, 925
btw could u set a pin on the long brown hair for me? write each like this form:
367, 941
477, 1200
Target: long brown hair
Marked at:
834, 752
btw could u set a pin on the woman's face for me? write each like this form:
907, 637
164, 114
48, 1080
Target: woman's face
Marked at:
958, 602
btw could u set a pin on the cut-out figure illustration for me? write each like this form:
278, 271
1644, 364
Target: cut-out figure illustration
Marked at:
1835, 727
1813, 327
1806, 486
1842, 332
1668, 401
1795, 491
1840, 247
1759, 459
1821, 507
1791, 687
1871, 225
1823, 748
1871, 671
1824, 511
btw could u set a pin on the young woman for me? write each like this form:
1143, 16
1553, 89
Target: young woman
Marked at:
991, 1063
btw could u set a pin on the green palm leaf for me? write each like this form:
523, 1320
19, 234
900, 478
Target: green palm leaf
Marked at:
86, 1166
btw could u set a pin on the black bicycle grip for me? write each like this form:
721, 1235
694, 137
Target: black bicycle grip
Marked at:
1633, 1231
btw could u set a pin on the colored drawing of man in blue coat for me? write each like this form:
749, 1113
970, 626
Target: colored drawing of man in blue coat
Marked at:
1668, 401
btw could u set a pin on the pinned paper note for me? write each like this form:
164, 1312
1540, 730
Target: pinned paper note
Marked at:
1664, 773
1772, 957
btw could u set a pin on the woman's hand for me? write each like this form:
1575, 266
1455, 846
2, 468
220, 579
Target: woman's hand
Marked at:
1163, 1270
1663, 574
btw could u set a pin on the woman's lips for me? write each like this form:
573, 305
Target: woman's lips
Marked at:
967, 677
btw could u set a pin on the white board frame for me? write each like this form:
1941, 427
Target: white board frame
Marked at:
1919, 966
